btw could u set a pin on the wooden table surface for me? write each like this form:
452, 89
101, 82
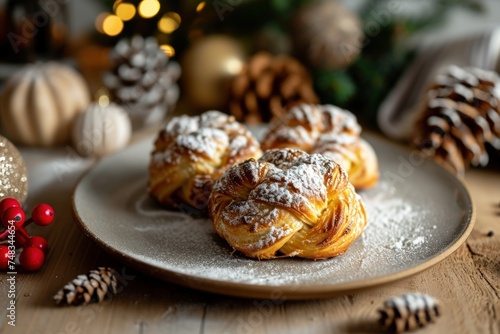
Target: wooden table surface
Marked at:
467, 283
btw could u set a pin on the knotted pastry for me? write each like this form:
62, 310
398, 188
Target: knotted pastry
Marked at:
192, 152
288, 202
328, 130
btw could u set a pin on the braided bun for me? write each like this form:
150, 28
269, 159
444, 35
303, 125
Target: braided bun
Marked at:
192, 152
288, 202
328, 130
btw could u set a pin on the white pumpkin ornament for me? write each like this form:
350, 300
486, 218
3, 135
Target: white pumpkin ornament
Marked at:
39, 103
101, 130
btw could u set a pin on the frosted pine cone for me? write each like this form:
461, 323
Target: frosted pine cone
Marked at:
408, 312
267, 86
461, 114
142, 80
93, 287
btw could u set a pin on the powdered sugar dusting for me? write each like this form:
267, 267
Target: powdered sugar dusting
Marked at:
182, 125
210, 134
314, 128
205, 140
291, 187
250, 212
273, 236
170, 157
237, 144
341, 120
388, 212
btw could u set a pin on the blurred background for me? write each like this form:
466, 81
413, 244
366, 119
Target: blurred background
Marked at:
381, 40
75, 72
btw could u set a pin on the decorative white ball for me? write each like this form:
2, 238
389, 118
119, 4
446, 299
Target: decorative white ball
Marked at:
101, 130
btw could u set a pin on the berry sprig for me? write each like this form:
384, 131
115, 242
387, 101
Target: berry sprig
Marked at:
34, 248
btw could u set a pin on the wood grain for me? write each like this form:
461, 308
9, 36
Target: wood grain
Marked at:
467, 283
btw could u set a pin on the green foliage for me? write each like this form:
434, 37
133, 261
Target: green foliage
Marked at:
340, 83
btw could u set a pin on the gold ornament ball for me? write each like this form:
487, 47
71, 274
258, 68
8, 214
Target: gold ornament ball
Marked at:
13, 178
327, 34
208, 67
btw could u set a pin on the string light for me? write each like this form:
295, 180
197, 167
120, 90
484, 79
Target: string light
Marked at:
148, 8
168, 49
169, 22
112, 25
200, 6
125, 11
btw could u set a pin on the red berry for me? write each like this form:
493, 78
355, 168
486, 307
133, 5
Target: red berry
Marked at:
38, 242
20, 239
42, 214
8, 202
14, 215
31, 258
4, 257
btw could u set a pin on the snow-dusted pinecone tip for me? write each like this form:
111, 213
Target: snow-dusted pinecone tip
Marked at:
93, 287
408, 312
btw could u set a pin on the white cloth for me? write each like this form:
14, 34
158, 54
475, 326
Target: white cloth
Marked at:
397, 113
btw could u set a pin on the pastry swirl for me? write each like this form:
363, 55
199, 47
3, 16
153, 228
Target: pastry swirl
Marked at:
287, 203
328, 130
190, 153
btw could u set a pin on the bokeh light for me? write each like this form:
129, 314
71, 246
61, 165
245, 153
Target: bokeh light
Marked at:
112, 25
116, 3
99, 20
102, 97
168, 49
148, 8
169, 22
125, 11
103, 101
200, 6
233, 66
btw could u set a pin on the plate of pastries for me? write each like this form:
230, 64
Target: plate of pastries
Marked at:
303, 207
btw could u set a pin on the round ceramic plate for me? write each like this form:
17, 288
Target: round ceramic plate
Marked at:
418, 214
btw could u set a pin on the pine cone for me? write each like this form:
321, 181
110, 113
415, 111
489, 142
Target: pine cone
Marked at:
461, 114
142, 79
267, 86
408, 312
90, 288
327, 34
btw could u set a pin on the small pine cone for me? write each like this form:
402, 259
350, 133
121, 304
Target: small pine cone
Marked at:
142, 79
327, 34
90, 288
408, 312
461, 114
267, 86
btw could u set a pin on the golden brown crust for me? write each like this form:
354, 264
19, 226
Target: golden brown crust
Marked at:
328, 130
287, 203
192, 152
